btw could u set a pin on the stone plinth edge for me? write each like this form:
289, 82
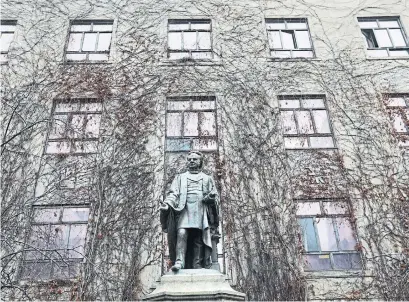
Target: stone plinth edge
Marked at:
194, 285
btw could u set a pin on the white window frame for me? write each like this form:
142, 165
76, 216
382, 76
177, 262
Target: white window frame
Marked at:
77, 143
328, 254
8, 23
185, 53
88, 55
278, 52
192, 141
391, 51
400, 109
308, 137
52, 257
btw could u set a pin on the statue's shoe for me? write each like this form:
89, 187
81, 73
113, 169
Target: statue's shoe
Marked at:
177, 266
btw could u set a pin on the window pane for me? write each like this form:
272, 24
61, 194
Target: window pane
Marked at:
389, 23
178, 105
200, 26
312, 103
398, 122
175, 40
399, 53
288, 122
204, 40
191, 124
368, 24
58, 127
174, 124
98, 57
274, 38
296, 25
289, 103
36, 270
90, 41
102, 27
295, 142
275, 25
382, 38
74, 42
378, 53
47, 215
59, 236
92, 122
202, 55
207, 124
317, 262
104, 41
347, 261
308, 234
326, 234
178, 145
91, 107
3, 57
321, 121
4, 27
75, 214
322, 142
204, 144
77, 125
179, 26
81, 27
58, 147
203, 105
304, 122
60, 270
369, 38
76, 57
303, 39
303, 54
281, 54
39, 238
334, 207
308, 208
346, 235
287, 39
178, 55
397, 37
189, 40
85, 146
5, 41
397, 101
77, 240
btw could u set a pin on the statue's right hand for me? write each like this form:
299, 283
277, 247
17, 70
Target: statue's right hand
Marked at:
163, 207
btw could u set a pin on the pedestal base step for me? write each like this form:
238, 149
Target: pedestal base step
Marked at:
194, 285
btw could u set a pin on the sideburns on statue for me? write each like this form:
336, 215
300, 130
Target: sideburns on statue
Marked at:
189, 215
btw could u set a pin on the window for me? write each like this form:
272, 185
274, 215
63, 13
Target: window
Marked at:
384, 37
327, 235
75, 126
89, 41
289, 38
305, 122
189, 39
7, 30
55, 248
398, 108
191, 124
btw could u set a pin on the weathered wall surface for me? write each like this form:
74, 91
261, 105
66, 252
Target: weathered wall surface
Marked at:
259, 179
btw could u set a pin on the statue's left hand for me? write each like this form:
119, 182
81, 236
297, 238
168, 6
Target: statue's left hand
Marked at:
210, 199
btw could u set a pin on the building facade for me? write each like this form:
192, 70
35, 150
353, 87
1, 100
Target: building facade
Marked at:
300, 107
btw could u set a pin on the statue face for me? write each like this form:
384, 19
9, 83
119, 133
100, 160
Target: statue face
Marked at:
193, 161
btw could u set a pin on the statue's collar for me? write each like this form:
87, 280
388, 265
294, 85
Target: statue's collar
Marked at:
194, 176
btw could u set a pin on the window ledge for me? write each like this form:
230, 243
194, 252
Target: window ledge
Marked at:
190, 62
86, 63
270, 59
336, 274
387, 58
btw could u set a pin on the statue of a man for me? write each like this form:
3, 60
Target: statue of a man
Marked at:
189, 215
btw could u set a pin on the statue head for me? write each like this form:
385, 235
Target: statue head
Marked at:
195, 161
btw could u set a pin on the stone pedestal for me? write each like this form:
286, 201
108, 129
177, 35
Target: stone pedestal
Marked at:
194, 285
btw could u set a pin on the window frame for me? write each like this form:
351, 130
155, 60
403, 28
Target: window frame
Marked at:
64, 259
372, 29
191, 138
6, 52
189, 51
403, 137
91, 23
314, 127
69, 114
335, 230
296, 48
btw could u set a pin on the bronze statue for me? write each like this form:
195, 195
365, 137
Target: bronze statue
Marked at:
189, 214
